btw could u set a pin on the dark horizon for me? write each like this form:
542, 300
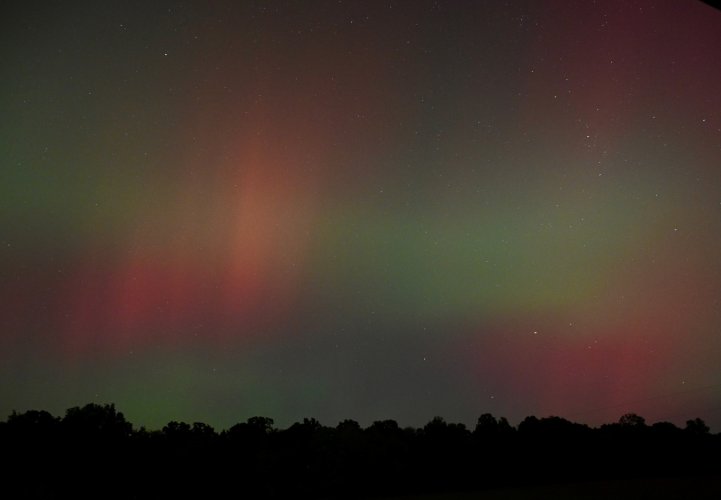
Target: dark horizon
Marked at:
112, 408
93, 450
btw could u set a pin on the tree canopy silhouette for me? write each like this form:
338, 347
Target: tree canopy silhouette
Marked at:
94, 451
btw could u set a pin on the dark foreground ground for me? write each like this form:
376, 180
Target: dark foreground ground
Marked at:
702, 488
93, 452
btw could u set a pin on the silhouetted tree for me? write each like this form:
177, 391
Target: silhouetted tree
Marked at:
632, 420
348, 427
176, 430
94, 446
33, 425
488, 427
384, 428
32, 420
697, 427
249, 438
98, 420
202, 430
665, 428
262, 424
529, 425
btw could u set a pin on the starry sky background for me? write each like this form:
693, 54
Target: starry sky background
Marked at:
367, 210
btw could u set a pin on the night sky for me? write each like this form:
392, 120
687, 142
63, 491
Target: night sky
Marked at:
366, 210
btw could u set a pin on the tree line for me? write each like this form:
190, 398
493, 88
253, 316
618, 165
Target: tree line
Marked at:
93, 451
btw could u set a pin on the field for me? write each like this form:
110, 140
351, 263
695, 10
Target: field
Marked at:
657, 489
